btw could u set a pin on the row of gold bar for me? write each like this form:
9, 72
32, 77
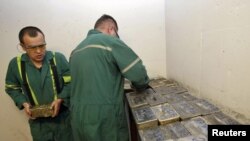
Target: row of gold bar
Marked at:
169, 112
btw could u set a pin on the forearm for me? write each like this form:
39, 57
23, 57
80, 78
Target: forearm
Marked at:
138, 76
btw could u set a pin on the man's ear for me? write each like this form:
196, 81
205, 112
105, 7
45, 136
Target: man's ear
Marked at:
23, 47
109, 30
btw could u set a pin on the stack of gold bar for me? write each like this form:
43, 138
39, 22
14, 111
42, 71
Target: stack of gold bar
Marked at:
165, 113
173, 98
144, 117
196, 126
136, 100
158, 82
220, 119
175, 130
193, 138
168, 132
41, 111
168, 112
188, 97
155, 99
186, 109
152, 134
206, 107
170, 90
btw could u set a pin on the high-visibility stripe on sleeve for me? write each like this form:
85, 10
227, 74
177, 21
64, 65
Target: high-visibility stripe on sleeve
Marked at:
93, 46
131, 65
67, 79
99, 46
15, 87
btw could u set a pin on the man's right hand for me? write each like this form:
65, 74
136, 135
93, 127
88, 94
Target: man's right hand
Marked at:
27, 107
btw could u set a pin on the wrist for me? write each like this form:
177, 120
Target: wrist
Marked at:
26, 104
59, 100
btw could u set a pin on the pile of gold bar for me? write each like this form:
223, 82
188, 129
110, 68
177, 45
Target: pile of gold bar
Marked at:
169, 112
41, 111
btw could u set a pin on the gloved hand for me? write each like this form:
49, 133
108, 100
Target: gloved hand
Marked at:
147, 89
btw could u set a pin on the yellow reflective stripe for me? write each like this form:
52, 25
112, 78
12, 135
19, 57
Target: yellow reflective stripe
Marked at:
130, 65
53, 79
67, 79
20, 72
54, 58
53, 83
8, 86
19, 65
93, 46
99, 46
32, 92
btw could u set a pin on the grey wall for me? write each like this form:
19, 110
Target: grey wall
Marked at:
208, 50
65, 23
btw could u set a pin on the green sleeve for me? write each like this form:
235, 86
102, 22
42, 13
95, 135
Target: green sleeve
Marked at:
130, 65
13, 84
63, 65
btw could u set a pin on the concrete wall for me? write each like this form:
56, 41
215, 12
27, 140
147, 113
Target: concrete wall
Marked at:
204, 45
65, 23
208, 50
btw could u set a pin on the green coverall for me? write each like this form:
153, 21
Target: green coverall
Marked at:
98, 67
40, 81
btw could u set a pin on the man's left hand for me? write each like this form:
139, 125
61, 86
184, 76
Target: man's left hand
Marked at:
55, 105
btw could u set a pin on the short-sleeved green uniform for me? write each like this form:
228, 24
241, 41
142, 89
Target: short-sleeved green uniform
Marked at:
98, 67
41, 83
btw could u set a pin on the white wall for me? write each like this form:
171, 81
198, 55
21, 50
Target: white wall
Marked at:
208, 50
65, 23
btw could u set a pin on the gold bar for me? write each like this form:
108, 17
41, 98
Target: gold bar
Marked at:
196, 126
41, 111
165, 113
186, 109
152, 134
144, 117
136, 100
206, 107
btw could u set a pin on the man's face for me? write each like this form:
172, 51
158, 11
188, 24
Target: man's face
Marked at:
35, 47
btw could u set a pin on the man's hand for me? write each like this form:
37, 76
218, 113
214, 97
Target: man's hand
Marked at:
27, 107
55, 105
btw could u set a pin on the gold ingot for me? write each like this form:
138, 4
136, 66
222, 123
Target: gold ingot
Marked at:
206, 107
155, 99
41, 111
152, 134
186, 109
165, 113
196, 126
136, 100
158, 82
175, 130
144, 117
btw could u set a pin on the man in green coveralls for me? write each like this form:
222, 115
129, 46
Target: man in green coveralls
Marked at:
98, 67
41, 84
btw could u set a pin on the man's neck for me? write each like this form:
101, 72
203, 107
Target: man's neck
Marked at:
37, 64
